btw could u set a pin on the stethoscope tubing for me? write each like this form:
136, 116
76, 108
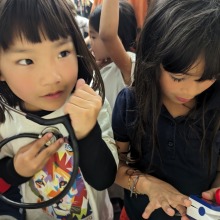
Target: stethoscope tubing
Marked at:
65, 120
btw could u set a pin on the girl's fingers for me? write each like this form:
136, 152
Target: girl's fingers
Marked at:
46, 152
82, 88
39, 144
148, 210
32, 157
33, 148
86, 96
209, 195
167, 208
184, 218
181, 209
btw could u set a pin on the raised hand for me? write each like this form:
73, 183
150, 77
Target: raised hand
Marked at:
83, 108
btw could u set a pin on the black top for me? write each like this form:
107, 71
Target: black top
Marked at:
95, 161
180, 162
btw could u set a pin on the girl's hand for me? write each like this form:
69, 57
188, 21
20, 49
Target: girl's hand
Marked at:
163, 195
32, 158
211, 194
83, 108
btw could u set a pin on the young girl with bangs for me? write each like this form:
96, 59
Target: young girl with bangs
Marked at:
46, 70
166, 125
113, 32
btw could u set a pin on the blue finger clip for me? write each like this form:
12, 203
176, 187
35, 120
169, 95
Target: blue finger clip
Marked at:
202, 209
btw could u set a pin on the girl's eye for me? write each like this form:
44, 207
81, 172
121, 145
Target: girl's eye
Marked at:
92, 37
64, 54
25, 62
178, 78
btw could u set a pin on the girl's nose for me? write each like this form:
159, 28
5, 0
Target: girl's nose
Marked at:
50, 75
191, 90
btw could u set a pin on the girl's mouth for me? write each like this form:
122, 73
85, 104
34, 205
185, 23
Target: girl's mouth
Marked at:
182, 100
54, 95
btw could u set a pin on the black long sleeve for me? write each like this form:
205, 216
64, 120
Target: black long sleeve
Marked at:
9, 174
96, 160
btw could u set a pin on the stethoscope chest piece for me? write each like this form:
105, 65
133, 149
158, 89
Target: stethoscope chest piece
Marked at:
56, 134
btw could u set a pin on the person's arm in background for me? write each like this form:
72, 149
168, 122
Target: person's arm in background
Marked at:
108, 33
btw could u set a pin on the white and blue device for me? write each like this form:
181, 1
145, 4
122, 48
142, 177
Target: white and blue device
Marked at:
202, 209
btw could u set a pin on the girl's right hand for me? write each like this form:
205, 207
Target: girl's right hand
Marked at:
32, 158
163, 195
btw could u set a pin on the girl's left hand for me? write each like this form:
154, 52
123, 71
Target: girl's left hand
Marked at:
83, 108
163, 195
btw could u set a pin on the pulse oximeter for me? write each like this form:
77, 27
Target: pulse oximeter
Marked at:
202, 209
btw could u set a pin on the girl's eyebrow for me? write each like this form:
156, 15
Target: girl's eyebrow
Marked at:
57, 44
62, 42
18, 50
193, 74
189, 74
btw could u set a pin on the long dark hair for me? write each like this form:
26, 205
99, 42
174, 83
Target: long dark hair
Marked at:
53, 18
175, 34
127, 27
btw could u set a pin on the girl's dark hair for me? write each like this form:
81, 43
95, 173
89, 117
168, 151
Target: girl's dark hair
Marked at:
175, 34
52, 18
127, 27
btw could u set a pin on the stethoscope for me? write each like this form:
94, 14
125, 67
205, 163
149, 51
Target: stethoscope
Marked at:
65, 120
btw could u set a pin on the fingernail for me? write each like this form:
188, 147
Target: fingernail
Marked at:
61, 141
186, 201
49, 135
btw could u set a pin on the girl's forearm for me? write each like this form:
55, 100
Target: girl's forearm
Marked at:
109, 19
132, 179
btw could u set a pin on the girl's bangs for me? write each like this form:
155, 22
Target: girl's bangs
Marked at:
187, 32
32, 21
181, 58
